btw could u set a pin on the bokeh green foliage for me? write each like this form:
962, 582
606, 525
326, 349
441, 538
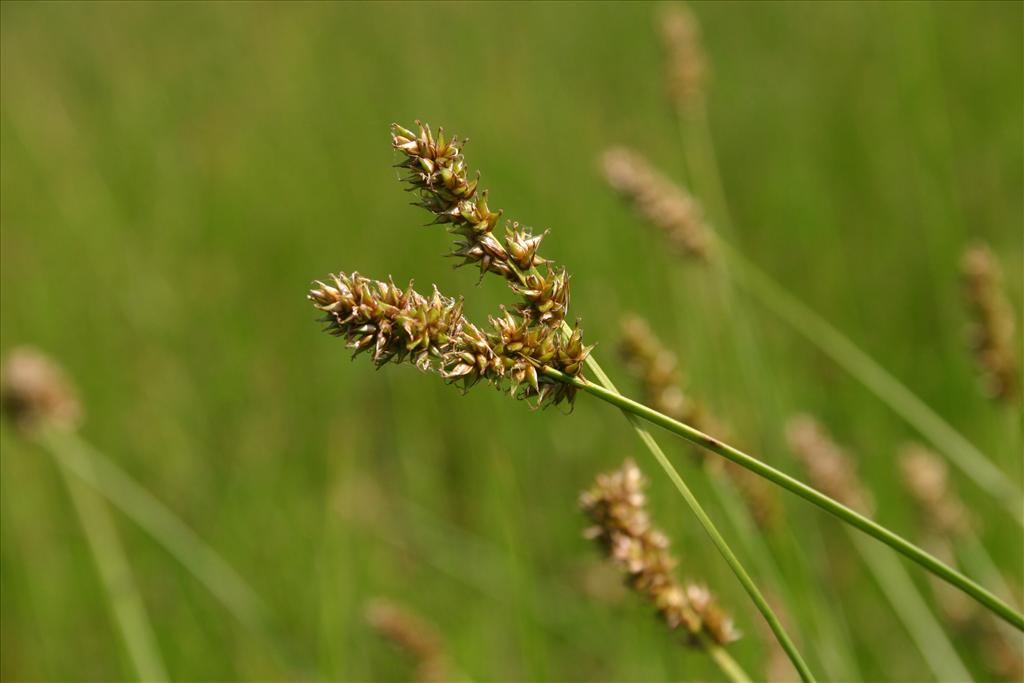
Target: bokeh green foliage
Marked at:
174, 174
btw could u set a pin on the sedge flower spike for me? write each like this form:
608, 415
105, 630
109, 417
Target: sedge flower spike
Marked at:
514, 349
437, 173
35, 392
617, 506
398, 325
992, 326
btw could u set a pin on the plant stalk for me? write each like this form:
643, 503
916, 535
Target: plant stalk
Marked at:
126, 603
705, 521
868, 526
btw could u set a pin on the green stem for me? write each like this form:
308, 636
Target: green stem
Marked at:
705, 521
112, 563
139, 505
961, 452
868, 526
729, 666
898, 588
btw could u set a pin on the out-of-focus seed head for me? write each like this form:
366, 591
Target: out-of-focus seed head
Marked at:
828, 466
659, 201
621, 525
413, 635
992, 327
687, 67
927, 479
35, 392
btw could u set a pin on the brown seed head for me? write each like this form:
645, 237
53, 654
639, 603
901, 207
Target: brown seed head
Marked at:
397, 325
927, 478
616, 505
828, 466
437, 173
35, 392
687, 68
411, 634
659, 201
992, 327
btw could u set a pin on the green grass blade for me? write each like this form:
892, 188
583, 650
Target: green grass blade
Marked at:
830, 341
910, 606
126, 603
158, 521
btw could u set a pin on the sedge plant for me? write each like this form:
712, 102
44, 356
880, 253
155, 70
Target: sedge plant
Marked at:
533, 352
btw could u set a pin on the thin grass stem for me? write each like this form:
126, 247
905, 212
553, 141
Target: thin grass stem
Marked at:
868, 526
705, 521
898, 588
86, 463
702, 164
126, 603
729, 666
943, 437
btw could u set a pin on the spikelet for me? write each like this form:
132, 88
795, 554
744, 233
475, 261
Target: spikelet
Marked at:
412, 635
657, 368
616, 505
686, 67
992, 327
659, 201
437, 173
829, 467
35, 392
927, 479
396, 325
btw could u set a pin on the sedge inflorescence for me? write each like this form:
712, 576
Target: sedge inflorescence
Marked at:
992, 326
35, 392
829, 467
617, 506
926, 478
412, 635
398, 324
659, 201
687, 67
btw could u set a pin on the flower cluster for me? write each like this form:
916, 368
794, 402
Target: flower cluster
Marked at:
617, 506
659, 201
927, 480
829, 467
436, 171
687, 68
412, 635
992, 330
35, 392
514, 348
394, 323
397, 325
657, 368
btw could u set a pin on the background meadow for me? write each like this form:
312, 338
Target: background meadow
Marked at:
173, 176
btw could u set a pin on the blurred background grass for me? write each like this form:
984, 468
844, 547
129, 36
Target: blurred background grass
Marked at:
173, 175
